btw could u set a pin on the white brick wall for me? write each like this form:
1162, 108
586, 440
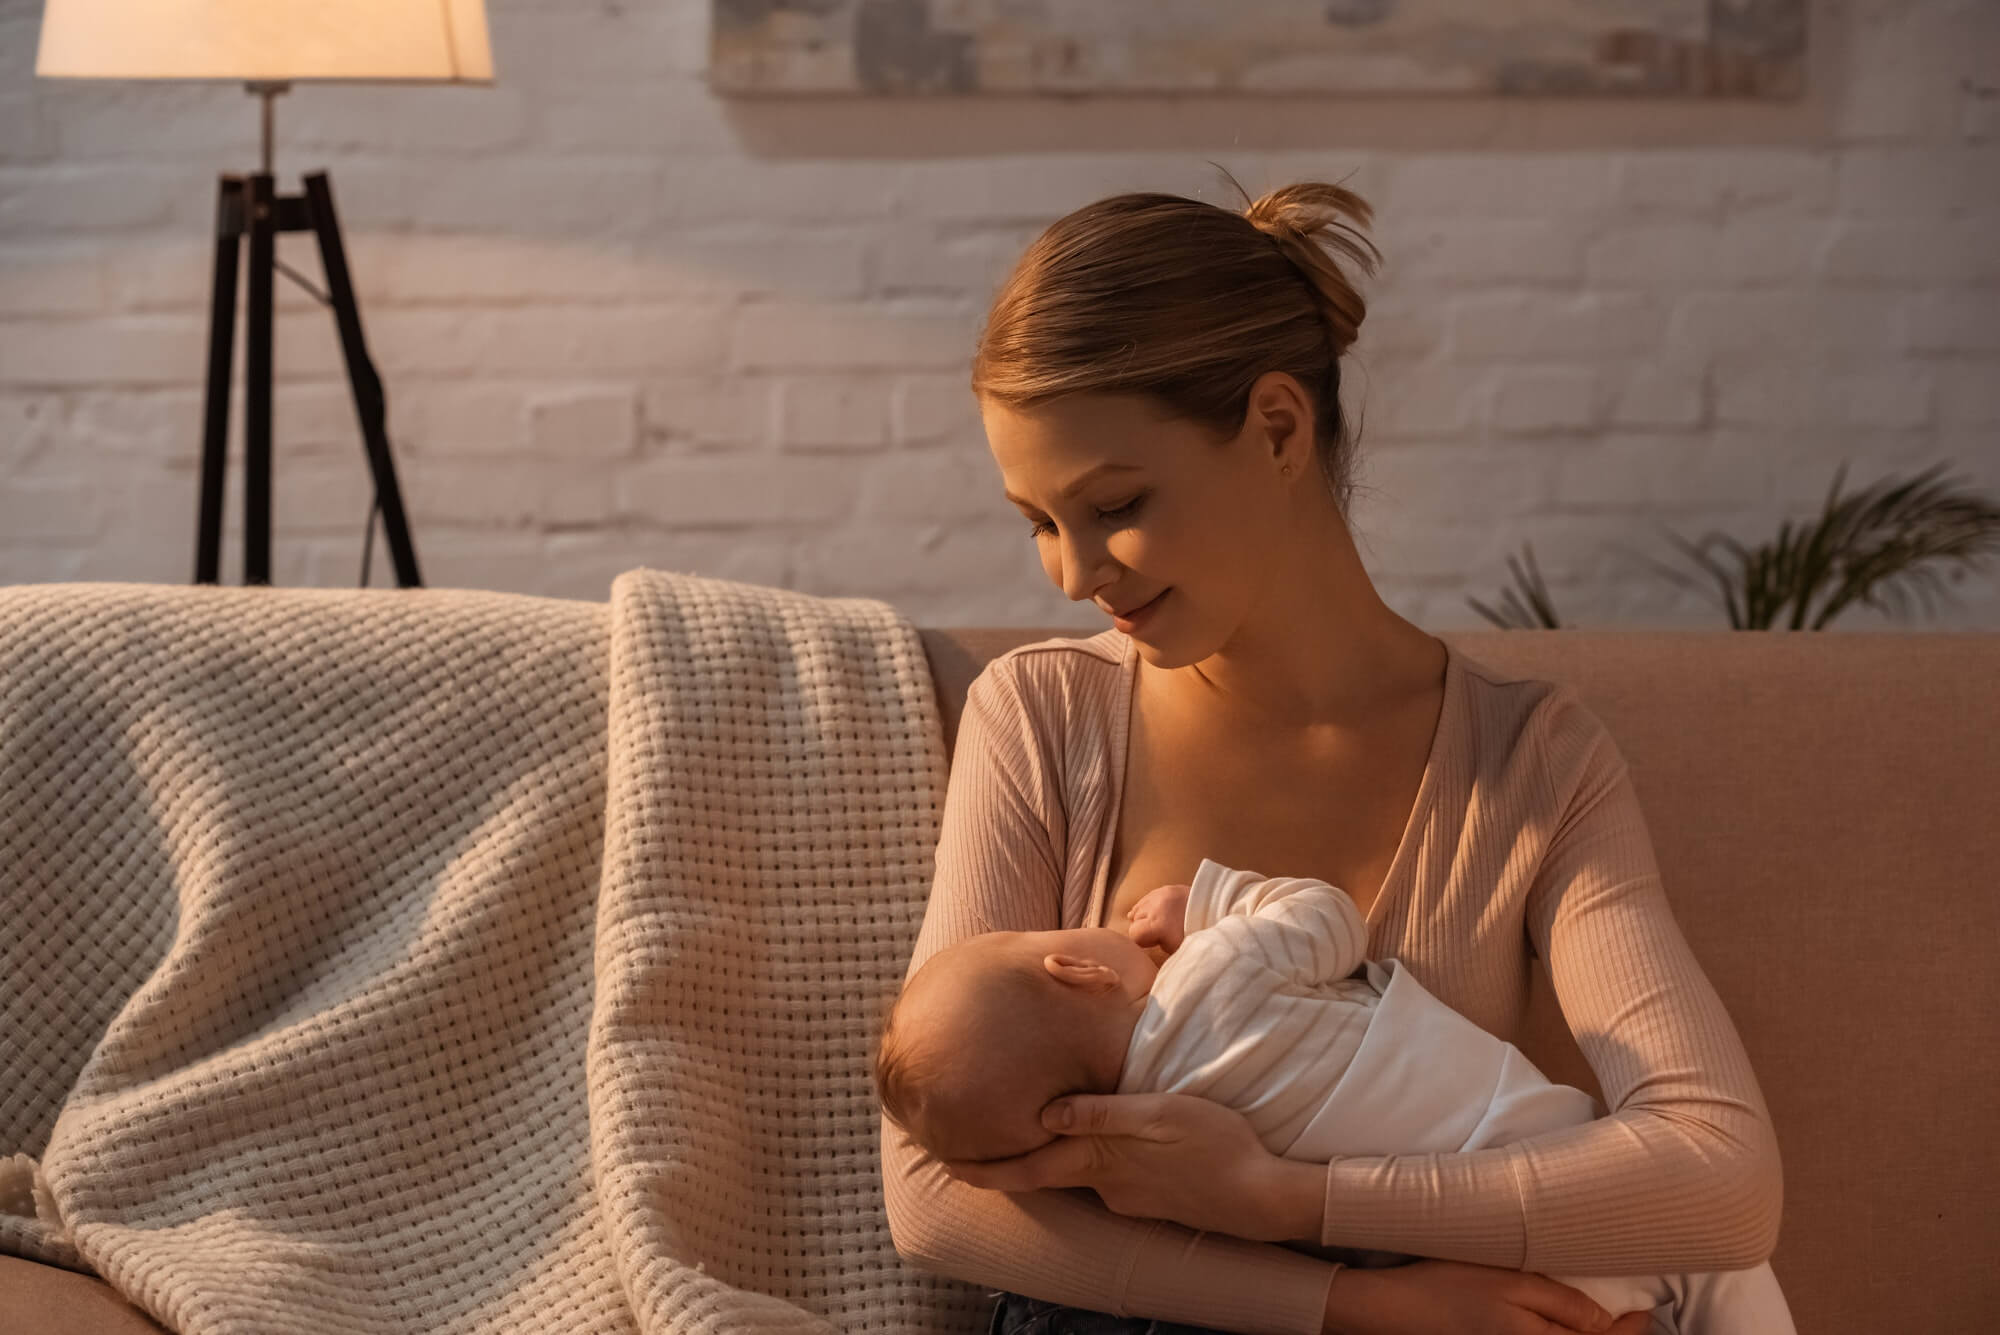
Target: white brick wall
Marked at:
623, 322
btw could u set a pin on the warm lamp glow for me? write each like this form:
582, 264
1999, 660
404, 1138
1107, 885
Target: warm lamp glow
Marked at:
431, 41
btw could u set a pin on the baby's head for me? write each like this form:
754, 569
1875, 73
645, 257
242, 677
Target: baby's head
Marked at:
994, 1027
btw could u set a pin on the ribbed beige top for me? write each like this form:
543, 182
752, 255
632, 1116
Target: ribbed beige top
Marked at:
1525, 838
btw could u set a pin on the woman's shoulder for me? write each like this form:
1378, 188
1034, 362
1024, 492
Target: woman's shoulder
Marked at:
1051, 672
1057, 701
1530, 723
1109, 648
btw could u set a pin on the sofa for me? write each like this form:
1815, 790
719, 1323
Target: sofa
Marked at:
1826, 811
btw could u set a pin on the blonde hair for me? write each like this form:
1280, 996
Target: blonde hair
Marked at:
1188, 303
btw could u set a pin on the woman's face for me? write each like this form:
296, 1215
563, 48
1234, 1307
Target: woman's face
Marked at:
1175, 536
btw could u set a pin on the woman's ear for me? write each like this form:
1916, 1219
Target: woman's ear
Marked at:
1078, 971
1279, 417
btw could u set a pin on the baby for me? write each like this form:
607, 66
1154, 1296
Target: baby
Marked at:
1266, 1004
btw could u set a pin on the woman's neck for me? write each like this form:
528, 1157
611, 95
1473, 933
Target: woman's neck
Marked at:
1319, 649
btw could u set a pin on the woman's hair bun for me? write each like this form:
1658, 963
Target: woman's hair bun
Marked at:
1311, 221
1188, 303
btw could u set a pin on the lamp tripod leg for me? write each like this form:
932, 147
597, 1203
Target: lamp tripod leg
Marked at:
263, 227
369, 403
229, 207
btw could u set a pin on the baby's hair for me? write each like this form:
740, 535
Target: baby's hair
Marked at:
1188, 303
920, 1076
894, 1080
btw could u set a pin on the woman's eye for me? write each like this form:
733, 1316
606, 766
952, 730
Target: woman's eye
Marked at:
1043, 528
1123, 512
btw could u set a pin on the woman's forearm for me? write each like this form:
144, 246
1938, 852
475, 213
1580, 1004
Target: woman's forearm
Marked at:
1295, 1193
1066, 1247
1631, 1193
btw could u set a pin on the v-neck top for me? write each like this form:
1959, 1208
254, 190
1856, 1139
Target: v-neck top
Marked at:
1117, 761
1525, 840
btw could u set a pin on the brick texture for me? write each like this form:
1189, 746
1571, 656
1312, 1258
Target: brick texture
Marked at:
622, 321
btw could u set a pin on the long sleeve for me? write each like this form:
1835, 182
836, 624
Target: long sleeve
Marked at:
1303, 930
999, 860
1684, 1173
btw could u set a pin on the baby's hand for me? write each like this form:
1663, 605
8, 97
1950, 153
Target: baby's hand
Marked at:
1160, 918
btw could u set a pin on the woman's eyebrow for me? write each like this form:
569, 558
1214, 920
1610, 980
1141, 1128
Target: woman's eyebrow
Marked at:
1081, 481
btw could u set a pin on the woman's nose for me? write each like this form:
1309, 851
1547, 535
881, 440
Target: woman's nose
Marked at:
1084, 569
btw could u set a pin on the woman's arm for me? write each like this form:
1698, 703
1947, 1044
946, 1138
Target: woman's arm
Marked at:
1684, 1173
999, 867
1134, 1149
1688, 1159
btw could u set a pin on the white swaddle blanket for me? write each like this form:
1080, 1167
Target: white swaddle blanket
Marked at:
1269, 1006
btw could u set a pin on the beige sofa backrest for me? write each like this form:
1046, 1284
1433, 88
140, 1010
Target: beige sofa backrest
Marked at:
1826, 811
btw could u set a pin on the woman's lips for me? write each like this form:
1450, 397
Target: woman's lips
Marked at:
1139, 614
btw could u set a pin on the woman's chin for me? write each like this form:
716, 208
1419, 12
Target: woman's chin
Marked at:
1166, 649
1164, 656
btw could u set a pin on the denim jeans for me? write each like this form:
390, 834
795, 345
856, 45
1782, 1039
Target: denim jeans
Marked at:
1015, 1315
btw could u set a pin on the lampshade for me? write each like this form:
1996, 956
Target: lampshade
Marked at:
431, 41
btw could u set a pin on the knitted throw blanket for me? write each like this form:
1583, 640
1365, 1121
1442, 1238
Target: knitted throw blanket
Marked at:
436, 960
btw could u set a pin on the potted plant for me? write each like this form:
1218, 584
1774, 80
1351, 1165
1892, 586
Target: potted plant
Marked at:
1878, 547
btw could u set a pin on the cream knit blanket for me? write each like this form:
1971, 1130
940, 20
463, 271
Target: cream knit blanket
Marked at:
435, 960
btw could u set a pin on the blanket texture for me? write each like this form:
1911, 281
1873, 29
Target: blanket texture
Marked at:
436, 960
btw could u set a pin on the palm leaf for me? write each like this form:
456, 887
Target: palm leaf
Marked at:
1723, 578
1526, 605
1899, 536
1876, 546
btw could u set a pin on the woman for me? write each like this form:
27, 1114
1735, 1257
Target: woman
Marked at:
1159, 381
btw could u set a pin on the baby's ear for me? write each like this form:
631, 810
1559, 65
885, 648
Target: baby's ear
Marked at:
1077, 971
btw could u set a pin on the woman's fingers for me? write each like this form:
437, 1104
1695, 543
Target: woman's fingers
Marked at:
1060, 1163
1431, 1295
1075, 1158
1103, 1115
1165, 1156
1567, 1307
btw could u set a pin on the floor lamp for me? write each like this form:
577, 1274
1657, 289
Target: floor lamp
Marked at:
268, 45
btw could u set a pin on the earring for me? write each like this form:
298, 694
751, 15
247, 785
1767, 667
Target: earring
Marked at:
1286, 471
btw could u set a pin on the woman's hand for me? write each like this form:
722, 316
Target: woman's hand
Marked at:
1429, 1296
1166, 1156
